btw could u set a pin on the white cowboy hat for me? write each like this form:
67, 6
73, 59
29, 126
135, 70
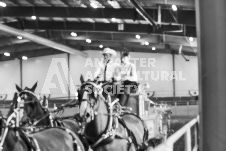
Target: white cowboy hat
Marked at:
109, 51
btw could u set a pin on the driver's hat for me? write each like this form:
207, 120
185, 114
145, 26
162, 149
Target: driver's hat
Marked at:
109, 51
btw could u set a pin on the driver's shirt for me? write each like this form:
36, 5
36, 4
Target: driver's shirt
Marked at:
106, 71
126, 71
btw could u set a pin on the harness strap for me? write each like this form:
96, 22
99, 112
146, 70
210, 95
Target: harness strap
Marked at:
73, 135
39, 120
130, 133
35, 143
146, 132
29, 140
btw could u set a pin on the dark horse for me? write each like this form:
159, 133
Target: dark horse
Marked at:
52, 139
35, 113
104, 129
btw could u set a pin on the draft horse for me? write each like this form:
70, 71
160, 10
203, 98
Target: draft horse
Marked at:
36, 114
107, 130
13, 138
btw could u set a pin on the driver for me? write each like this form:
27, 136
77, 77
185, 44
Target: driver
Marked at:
107, 70
128, 69
128, 76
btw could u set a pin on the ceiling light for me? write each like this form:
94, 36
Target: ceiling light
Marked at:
24, 58
73, 34
93, 5
88, 40
138, 36
33, 17
174, 7
113, 19
19, 37
101, 46
191, 38
2, 4
153, 48
7, 54
114, 4
146, 43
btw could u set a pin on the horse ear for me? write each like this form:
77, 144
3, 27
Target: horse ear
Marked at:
12, 105
15, 97
34, 87
18, 88
44, 101
82, 79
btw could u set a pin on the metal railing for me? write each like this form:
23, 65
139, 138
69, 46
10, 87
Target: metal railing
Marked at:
168, 145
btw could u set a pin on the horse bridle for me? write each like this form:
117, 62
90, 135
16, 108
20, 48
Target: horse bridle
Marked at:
41, 117
97, 93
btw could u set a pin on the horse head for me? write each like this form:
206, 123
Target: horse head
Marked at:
88, 99
32, 107
92, 106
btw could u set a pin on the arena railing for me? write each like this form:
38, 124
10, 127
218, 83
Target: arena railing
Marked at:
168, 145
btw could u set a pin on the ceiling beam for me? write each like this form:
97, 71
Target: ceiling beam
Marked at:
100, 37
126, 37
31, 54
183, 16
15, 2
27, 46
101, 27
65, 2
136, 47
187, 3
35, 50
81, 44
11, 40
143, 13
40, 40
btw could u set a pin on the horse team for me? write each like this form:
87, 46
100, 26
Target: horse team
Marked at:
102, 124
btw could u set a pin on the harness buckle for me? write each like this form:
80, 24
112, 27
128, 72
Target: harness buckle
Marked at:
130, 140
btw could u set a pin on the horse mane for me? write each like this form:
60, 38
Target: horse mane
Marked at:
35, 101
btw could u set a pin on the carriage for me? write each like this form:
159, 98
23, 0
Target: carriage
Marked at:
156, 116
